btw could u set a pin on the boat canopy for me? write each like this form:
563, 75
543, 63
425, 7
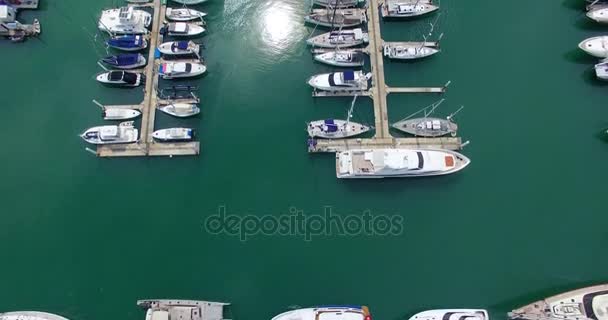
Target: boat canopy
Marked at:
116, 75
180, 45
126, 41
179, 27
349, 75
122, 59
106, 132
330, 125
130, 78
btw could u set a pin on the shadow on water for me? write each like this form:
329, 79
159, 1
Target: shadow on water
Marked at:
408, 61
603, 134
587, 24
589, 77
580, 57
574, 4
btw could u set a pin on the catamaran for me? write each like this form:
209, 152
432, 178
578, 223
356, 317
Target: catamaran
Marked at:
347, 312
183, 14
595, 46
174, 134
340, 81
342, 38
342, 58
176, 69
452, 314
399, 163
588, 303
125, 20
122, 133
180, 110
125, 61
343, 17
128, 42
121, 78
428, 126
179, 48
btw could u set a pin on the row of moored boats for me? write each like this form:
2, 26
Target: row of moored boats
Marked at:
597, 10
129, 30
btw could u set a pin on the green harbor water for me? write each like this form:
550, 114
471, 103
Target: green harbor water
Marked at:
86, 237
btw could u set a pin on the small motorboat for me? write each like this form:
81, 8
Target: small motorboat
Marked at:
343, 17
189, 2
119, 114
176, 69
408, 52
335, 129
601, 70
408, 9
125, 132
340, 81
598, 14
183, 29
595, 46
452, 314
342, 58
341, 38
121, 78
125, 20
184, 14
128, 43
179, 48
180, 110
327, 313
125, 61
588, 303
174, 134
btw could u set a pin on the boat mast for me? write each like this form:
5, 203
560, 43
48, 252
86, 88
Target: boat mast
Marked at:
350, 112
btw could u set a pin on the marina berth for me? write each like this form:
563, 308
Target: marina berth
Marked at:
398, 163
343, 17
327, 313
340, 81
128, 42
183, 29
180, 110
598, 14
174, 134
179, 48
452, 314
335, 129
342, 58
595, 46
125, 20
119, 114
176, 69
340, 38
120, 78
590, 303
183, 309
125, 61
30, 315
183, 14
408, 52
122, 133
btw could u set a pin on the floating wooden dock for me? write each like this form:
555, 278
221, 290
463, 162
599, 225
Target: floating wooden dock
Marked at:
146, 146
334, 145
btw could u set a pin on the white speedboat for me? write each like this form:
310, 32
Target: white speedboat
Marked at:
599, 14
335, 129
327, 313
343, 17
340, 38
184, 29
340, 81
601, 70
189, 2
588, 303
398, 163
125, 20
179, 48
596, 46
183, 14
119, 114
408, 52
452, 314
122, 133
409, 9
121, 78
180, 110
342, 58
176, 69
30, 315
174, 134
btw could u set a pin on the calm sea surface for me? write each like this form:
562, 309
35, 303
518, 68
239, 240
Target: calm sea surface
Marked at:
86, 237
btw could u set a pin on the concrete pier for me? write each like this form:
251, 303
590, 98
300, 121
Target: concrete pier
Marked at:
146, 146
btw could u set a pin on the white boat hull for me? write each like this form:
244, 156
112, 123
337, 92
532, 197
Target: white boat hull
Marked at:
339, 129
120, 114
120, 134
596, 46
174, 134
172, 70
30, 315
184, 14
170, 49
451, 314
341, 58
599, 15
181, 110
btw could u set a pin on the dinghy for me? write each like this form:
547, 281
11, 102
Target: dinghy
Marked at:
343, 18
452, 314
408, 9
189, 2
125, 20
174, 134
119, 114
335, 129
183, 29
601, 70
128, 42
172, 70
340, 81
120, 78
340, 38
125, 61
408, 52
180, 110
184, 14
179, 48
342, 58
338, 3
595, 46
122, 133
598, 14
398, 163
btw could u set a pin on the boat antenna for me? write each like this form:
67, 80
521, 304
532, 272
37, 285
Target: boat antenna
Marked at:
454, 113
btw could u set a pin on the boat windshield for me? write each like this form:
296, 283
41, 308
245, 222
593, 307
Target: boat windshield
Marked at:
115, 75
130, 78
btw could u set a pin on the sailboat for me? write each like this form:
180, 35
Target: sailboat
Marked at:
408, 9
336, 129
344, 17
428, 126
342, 38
